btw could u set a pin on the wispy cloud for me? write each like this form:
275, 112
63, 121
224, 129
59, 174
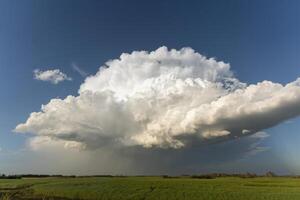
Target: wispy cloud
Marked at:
79, 70
54, 76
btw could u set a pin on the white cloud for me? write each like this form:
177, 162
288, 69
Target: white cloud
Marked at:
54, 76
164, 98
245, 131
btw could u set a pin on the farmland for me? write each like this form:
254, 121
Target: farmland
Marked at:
143, 188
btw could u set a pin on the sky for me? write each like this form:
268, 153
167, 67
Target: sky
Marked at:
204, 86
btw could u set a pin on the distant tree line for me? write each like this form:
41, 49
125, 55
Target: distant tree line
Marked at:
240, 175
19, 176
197, 176
3, 176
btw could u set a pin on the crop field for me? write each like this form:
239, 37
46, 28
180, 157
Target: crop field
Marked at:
146, 188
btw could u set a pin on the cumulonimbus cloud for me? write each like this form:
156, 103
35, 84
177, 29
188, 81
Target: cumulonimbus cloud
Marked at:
54, 76
164, 98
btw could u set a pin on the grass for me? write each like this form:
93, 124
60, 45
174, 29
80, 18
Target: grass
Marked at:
147, 188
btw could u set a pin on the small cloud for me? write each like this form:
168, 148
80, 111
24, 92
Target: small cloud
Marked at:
54, 76
74, 145
260, 134
79, 70
245, 131
289, 122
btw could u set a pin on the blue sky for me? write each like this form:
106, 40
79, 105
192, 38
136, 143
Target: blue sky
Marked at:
260, 40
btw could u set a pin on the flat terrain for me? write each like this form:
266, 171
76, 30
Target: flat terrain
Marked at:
146, 188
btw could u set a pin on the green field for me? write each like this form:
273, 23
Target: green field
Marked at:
144, 188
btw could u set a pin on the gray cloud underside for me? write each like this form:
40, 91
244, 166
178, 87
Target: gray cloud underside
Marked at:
46, 155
